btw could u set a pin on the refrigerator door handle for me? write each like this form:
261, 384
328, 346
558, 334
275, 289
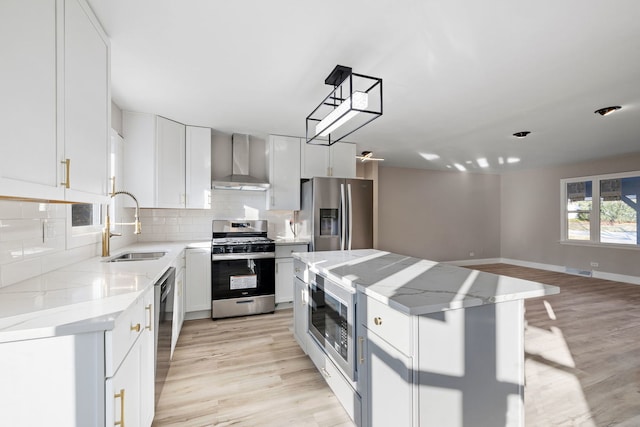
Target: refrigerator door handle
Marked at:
350, 229
343, 219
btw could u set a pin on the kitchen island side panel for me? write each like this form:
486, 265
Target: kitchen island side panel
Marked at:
470, 369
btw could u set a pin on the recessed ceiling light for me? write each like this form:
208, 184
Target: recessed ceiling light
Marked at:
513, 159
459, 167
501, 160
607, 110
429, 156
521, 134
482, 162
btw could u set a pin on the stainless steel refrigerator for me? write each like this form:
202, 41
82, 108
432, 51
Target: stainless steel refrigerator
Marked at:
337, 213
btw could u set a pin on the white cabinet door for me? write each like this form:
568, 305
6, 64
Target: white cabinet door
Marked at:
198, 167
284, 173
314, 160
178, 308
343, 160
29, 152
337, 160
147, 361
284, 280
386, 381
198, 280
300, 315
122, 399
170, 166
87, 106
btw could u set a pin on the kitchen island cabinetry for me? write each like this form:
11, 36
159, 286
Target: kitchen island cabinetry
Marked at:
198, 283
283, 158
436, 345
337, 160
284, 269
56, 101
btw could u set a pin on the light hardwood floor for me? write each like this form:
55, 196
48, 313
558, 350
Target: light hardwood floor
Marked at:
582, 362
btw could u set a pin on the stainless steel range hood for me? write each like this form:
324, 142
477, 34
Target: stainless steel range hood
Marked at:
240, 178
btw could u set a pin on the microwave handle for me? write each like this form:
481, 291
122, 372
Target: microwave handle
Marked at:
343, 221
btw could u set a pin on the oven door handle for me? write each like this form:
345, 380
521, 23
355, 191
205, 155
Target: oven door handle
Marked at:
239, 256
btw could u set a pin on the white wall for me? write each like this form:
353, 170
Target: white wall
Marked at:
441, 216
531, 219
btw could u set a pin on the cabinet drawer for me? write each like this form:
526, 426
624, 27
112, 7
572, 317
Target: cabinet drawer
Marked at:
340, 386
391, 325
129, 325
285, 251
300, 270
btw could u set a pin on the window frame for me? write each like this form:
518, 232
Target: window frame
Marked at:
594, 218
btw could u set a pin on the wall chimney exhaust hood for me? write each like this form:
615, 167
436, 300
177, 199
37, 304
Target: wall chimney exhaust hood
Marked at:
240, 178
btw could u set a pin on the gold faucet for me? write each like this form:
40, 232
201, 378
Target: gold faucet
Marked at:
106, 231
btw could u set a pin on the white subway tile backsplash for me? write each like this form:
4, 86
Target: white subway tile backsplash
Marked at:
19, 229
10, 252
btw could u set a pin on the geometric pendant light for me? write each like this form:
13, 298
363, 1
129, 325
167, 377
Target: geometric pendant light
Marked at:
355, 100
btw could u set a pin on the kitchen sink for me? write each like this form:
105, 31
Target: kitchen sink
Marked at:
138, 256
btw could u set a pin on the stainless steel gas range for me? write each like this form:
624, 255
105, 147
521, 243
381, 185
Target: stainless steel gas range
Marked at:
242, 268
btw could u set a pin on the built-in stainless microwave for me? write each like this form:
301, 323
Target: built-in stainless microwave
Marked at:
331, 321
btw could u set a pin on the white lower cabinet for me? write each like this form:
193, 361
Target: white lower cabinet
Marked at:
93, 379
130, 366
386, 381
284, 270
123, 391
198, 283
178, 303
300, 319
340, 386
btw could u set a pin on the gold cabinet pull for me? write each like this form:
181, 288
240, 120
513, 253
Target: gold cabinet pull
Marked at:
149, 307
377, 320
67, 171
121, 396
361, 350
136, 327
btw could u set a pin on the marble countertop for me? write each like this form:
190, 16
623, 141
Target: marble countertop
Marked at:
415, 286
82, 297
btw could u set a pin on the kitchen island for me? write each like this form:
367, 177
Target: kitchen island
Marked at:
424, 343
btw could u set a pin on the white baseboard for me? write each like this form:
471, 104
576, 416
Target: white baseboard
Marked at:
634, 280
465, 262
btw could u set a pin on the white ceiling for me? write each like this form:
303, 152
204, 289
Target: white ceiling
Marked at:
460, 77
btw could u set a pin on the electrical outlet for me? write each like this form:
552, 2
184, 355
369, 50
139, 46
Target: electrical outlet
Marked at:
594, 264
472, 254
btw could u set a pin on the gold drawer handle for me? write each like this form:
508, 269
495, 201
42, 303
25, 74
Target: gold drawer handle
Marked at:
121, 396
377, 320
67, 169
361, 350
136, 327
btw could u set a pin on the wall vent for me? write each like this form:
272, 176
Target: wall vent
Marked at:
578, 272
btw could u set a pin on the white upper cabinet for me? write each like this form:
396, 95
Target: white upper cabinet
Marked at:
166, 164
198, 167
284, 173
28, 151
55, 101
170, 167
87, 107
342, 160
337, 160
